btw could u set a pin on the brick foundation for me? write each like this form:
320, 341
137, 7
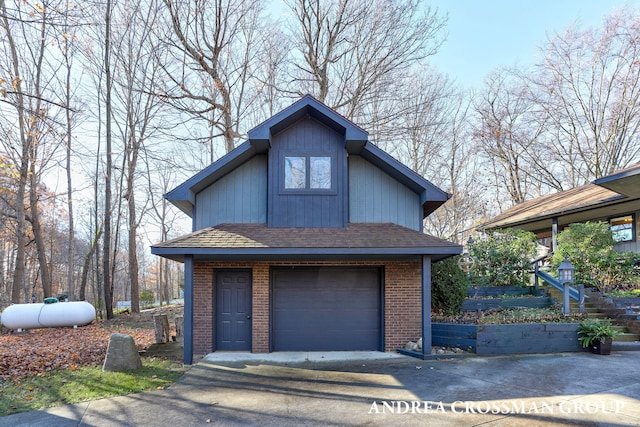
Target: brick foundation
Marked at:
402, 302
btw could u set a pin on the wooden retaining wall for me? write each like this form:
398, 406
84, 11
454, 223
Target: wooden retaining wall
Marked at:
508, 339
474, 304
494, 291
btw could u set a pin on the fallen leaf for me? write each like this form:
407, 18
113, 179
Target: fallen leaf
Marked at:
38, 351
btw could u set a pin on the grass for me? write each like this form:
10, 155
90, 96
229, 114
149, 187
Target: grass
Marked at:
87, 383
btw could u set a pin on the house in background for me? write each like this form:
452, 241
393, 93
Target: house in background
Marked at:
614, 198
306, 237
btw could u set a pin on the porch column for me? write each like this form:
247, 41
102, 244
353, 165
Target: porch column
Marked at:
188, 309
426, 305
554, 233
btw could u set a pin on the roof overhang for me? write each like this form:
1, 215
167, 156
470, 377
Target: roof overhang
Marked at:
626, 181
607, 197
305, 254
358, 241
544, 223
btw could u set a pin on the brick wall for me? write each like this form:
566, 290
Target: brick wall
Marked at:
402, 303
402, 306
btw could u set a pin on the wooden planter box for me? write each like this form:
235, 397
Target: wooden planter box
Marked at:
508, 339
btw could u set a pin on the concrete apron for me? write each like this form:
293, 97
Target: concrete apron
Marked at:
325, 389
299, 356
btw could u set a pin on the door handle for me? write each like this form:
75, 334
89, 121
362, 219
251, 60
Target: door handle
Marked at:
249, 317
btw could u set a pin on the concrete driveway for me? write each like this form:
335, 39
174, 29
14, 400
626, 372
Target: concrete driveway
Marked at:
376, 389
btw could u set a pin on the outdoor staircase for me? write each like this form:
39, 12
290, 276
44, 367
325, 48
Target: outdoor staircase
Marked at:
594, 313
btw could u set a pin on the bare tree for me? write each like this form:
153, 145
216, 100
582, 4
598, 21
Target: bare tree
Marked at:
588, 84
29, 30
211, 52
68, 49
160, 178
136, 107
348, 51
106, 259
457, 170
506, 134
421, 128
21, 155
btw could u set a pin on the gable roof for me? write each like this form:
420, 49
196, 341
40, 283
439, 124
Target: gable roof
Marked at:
257, 241
592, 201
260, 136
259, 142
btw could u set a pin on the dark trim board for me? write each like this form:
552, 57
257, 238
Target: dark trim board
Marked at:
283, 254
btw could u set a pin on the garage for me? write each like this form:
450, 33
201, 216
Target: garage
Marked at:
326, 309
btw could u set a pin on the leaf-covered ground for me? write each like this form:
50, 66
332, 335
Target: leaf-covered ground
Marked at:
41, 350
510, 315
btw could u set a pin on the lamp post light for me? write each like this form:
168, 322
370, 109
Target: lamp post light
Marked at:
566, 273
466, 261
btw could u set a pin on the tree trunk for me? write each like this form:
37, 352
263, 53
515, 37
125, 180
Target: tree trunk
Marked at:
133, 253
179, 329
36, 226
71, 249
161, 325
19, 272
106, 260
85, 266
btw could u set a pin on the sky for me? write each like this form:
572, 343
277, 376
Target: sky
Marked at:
486, 34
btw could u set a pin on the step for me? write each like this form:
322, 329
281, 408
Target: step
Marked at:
597, 316
593, 313
626, 337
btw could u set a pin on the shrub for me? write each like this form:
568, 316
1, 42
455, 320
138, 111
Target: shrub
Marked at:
448, 286
146, 298
593, 330
502, 257
590, 248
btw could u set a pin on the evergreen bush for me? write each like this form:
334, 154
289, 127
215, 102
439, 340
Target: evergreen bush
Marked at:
502, 257
146, 298
589, 247
448, 286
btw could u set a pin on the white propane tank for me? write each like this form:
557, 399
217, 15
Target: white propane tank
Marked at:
57, 315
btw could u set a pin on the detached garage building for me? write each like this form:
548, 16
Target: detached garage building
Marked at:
306, 237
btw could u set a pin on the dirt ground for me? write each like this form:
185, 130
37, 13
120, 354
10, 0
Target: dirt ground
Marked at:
37, 351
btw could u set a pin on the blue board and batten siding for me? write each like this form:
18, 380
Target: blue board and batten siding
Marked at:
254, 192
238, 197
374, 196
307, 208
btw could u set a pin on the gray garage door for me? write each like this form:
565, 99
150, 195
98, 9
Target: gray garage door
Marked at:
326, 309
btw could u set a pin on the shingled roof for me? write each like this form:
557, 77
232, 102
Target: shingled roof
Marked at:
573, 200
257, 241
607, 196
